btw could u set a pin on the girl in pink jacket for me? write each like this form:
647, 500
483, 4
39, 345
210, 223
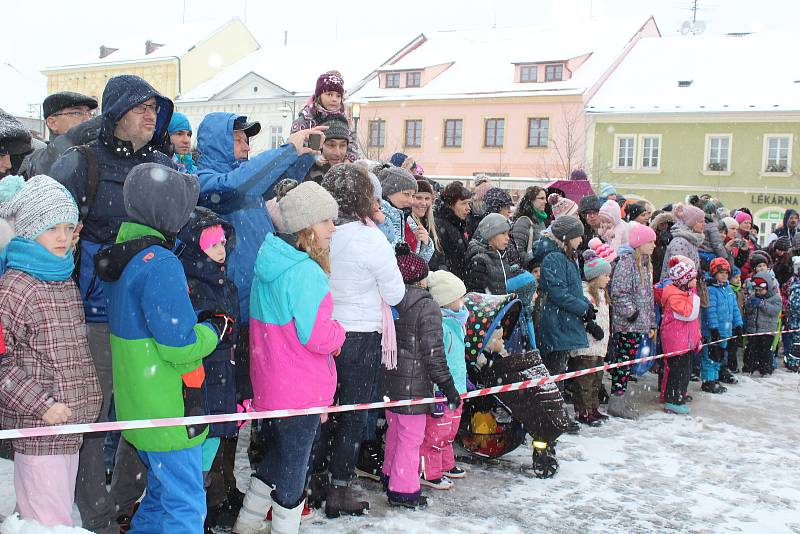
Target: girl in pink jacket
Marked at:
680, 332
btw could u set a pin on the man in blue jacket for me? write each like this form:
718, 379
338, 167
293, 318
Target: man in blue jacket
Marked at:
134, 122
234, 186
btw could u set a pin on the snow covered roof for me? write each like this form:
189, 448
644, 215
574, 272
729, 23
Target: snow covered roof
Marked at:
176, 40
483, 60
754, 72
295, 68
19, 90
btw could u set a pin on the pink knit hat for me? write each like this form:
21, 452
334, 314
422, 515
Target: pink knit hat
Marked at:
688, 214
210, 236
742, 216
639, 234
562, 205
602, 250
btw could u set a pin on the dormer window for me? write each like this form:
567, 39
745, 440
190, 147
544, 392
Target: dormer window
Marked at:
392, 80
413, 79
527, 73
554, 73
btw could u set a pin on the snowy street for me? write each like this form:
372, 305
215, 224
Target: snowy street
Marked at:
729, 467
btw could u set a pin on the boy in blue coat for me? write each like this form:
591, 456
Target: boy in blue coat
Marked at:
722, 319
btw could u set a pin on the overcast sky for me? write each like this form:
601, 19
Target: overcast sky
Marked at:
59, 32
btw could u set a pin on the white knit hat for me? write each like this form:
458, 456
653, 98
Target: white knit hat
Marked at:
445, 287
37, 205
307, 204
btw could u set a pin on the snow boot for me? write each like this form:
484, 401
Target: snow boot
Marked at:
316, 490
713, 387
442, 483
456, 472
252, 516
727, 376
286, 520
370, 460
599, 415
619, 406
340, 500
412, 501
679, 409
544, 461
588, 418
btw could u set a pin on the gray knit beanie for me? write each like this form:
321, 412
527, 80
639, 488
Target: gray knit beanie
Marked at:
566, 227
493, 224
36, 206
396, 179
307, 204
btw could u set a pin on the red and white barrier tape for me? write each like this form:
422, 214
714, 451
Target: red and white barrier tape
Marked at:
86, 428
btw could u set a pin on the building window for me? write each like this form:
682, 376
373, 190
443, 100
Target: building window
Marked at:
452, 132
414, 133
554, 73
777, 153
494, 133
625, 150
718, 153
275, 136
537, 132
651, 152
413, 79
527, 73
377, 133
392, 80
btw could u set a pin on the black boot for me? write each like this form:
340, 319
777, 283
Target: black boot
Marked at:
317, 487
727, 377
341, 500
545, 463
370, 460
713, 387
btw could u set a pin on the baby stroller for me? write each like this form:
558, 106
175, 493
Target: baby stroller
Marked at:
494, 425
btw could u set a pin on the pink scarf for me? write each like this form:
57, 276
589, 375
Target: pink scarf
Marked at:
389, 337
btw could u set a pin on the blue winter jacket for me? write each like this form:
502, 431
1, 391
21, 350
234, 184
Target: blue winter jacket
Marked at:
236, 190
561, 325
115, 159
723, 311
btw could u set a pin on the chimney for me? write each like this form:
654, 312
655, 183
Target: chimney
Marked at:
150, 47
285, 37
106, 50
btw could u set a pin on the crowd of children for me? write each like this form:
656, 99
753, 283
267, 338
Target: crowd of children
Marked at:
357, 295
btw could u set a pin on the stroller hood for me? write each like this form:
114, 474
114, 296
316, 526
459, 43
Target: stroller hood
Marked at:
486, 314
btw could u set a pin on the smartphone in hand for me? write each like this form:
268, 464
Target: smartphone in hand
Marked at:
314, 141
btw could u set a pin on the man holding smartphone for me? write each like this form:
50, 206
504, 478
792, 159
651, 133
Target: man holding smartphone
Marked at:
333, 151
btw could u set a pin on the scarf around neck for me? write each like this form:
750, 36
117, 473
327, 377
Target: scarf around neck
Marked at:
29, 256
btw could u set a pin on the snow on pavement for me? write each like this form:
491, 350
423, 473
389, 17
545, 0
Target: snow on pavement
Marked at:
732, 466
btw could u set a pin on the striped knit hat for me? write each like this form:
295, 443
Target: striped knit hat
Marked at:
37, 205
594, 265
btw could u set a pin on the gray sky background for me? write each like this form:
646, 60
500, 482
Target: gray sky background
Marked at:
40, 33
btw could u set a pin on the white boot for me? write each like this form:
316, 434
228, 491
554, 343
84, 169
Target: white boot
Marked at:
286, 520
252, 516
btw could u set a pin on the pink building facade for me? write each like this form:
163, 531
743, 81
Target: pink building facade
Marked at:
500, 102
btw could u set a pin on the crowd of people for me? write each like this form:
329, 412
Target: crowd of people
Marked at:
142, 278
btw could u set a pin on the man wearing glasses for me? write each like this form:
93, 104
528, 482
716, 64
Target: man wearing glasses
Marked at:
62, 112
133, 125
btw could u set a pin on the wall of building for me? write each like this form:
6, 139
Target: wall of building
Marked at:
514, 158
683, 156
91, 80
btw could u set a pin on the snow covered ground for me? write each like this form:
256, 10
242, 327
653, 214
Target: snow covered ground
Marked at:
732, 466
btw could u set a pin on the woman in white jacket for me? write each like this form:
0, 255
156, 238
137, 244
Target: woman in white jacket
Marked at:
365, 282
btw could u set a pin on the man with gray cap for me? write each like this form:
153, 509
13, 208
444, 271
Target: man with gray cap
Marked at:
589, 213
334, 151
158, 345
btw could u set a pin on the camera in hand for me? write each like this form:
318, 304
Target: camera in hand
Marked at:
315, 141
